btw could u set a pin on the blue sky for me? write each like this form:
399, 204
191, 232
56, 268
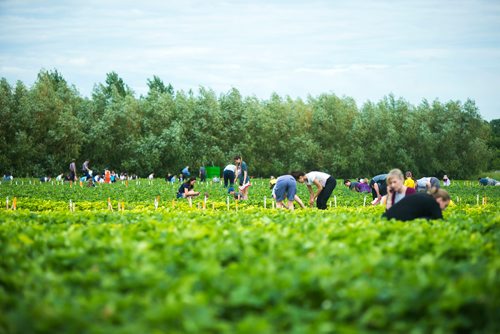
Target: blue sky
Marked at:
449, 50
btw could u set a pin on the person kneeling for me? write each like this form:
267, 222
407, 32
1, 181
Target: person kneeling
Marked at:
186, 189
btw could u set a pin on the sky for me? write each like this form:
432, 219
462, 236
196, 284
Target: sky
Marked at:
364, 49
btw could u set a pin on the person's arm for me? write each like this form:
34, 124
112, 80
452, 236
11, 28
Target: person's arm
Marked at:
245, 172
377, 190
390, 195
311, 195
297, 198
319, 186
236, 172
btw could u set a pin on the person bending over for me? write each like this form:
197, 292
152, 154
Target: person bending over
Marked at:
420, 205
324, 184
286, 186
379, 187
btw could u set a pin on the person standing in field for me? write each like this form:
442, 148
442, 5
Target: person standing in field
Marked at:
242, 176
286, 187
185, 172
228, 174
203, 173
324, 183
72, 171
86, 169
379, 187
396, 190
428, 205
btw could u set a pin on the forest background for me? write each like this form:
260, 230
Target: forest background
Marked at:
46, 125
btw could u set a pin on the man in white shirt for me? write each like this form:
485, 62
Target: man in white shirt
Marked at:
324, 183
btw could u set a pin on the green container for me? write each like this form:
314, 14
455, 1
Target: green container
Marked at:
213, 171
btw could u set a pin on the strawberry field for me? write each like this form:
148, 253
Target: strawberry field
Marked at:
131, 258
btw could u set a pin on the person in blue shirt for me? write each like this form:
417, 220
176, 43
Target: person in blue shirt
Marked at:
486, 181
185, 172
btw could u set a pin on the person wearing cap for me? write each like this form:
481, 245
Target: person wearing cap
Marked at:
426, 183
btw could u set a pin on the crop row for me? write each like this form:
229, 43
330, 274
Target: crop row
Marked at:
254, 271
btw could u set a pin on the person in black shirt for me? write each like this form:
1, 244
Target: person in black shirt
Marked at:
422, 205
186, 189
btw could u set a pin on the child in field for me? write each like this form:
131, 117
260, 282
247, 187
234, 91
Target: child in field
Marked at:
234, 193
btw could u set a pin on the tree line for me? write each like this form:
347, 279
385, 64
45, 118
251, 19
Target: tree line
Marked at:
46, 125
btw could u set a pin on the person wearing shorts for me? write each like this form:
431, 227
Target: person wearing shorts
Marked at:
286, 187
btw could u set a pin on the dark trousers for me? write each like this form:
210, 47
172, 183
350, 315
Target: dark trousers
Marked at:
228, 178
325, 194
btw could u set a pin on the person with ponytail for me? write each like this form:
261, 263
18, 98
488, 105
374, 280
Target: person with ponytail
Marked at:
428, 205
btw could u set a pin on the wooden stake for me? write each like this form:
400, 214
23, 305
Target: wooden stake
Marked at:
364, 201
14, 204
264, 202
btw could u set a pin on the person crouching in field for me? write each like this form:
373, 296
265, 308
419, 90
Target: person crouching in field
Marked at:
360, 187
379, 187
186, 189
396, 190
428, 205
287, 185
426, 183
324, 183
